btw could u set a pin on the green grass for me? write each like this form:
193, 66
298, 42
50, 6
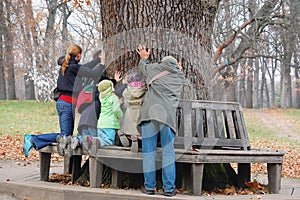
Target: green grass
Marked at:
19, 117
260, 132
256, 129
294, 115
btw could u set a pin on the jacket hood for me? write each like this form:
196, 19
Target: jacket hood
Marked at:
60, 60
170, 63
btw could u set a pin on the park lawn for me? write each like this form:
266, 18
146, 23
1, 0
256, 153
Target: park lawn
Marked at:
259, 132
20, 117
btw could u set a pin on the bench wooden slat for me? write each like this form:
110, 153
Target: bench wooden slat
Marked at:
220, 124
210, 124
201, 156
229, 124
187, 123
199, 125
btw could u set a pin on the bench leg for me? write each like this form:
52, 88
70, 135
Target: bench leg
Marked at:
274, 177
244, 173
114, 178
197, 176
186, 178
44, 166
68, 164
76, 167
95, 168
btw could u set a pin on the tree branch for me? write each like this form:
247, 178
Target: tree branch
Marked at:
230, 40
262, 19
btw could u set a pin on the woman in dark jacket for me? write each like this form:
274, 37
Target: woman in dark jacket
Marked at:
69, 83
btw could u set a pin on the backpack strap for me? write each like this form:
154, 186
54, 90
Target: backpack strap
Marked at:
161, 74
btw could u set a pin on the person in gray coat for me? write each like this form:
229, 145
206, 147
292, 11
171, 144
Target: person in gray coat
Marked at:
158, 116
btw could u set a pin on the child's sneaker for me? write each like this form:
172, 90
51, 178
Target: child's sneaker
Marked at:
27, 146
74, 143
86, 144
66, 141
95, 145
62, 142
124, 140
134, 144
60, 149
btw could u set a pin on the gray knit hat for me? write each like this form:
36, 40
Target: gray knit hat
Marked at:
134, 76
169, 59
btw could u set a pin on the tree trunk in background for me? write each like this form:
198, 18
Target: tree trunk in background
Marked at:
242, 87
230, 88
250, 72
288, 38
297, 83
2, 77
249, 97
256, 84
271, 73
264, 92
9, 55
30, 52
50, 34
179, 28
285, 97
66, 14
29, 88
262, 86
295, 21
230, 85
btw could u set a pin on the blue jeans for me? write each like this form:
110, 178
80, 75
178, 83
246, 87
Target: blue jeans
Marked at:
43, 140
66, 117
150, 132
87, 131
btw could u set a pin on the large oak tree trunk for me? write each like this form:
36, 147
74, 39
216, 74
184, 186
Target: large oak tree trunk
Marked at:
179, 28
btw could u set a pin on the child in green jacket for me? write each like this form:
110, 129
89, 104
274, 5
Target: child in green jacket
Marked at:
109, 120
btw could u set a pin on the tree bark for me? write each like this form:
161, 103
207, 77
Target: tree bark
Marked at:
66, 14
256, 85
289, 39
249, 96
242, 87
29, 31
2, 77
179, 28
50, 34
295, 21
9, 55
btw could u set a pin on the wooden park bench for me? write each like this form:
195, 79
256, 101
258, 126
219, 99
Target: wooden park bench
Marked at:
208, 133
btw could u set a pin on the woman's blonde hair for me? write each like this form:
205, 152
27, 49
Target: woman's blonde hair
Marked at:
73, 50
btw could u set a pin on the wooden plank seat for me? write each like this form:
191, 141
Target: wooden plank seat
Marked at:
208, 132
123, 160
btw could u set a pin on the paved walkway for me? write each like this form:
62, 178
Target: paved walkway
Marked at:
20, 180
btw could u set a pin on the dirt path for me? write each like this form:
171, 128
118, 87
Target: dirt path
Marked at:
280, 124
